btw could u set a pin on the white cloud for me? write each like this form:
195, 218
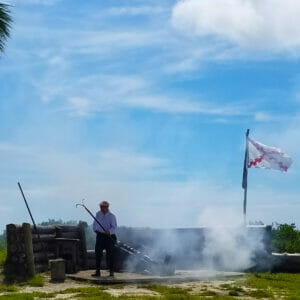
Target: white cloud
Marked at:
80, 106
287, 138
87, 42
166, 104
263, 117
101, 92
272, 25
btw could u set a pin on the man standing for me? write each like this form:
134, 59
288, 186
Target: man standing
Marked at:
106, 239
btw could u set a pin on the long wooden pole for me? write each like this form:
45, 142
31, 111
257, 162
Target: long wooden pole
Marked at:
33, 222
245, 176
29, 211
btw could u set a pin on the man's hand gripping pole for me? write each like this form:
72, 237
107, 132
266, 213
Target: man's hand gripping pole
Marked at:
90, 213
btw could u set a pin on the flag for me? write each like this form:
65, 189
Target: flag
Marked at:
266, 157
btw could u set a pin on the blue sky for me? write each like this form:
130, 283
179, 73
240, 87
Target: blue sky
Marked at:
145, 104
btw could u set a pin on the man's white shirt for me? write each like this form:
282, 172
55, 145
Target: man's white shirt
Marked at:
108, 221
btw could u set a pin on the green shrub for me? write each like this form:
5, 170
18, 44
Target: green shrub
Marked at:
286, 238
3, 254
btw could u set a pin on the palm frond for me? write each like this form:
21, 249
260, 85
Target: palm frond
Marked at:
5, 21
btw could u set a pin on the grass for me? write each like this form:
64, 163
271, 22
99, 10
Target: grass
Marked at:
233, 290
118, 286
37, 281
208, 293
178, 293
272, 285
92, 290
166, 290
7, 288
95, 293
28, 296
258, 294
258, 286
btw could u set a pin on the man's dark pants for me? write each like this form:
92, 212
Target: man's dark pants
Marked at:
107, 242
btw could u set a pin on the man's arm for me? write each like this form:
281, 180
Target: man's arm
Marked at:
113, 225
95, 224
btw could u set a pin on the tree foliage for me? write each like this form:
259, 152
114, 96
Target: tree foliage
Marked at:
5, 23
3, 241
58, 222
89, 234
286, 238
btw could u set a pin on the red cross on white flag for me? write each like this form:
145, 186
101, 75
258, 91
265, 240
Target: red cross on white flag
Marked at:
262, 156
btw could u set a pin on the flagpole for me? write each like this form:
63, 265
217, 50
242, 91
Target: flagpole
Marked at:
245, 176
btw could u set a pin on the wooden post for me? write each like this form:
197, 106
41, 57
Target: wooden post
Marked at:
58, 270
11, 237
82, 226
28, 249
15, 261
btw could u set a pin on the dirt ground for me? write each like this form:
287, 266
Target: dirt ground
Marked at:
129, 290
245, 286
50, 287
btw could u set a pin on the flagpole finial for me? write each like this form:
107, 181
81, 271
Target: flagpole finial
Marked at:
247, 132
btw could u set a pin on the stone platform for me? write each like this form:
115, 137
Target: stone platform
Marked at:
134, 278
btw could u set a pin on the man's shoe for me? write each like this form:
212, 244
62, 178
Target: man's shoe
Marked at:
96, 274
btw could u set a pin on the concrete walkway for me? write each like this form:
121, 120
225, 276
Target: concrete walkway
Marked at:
131, 278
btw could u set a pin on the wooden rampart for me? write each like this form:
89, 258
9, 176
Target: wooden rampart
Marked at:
29, 250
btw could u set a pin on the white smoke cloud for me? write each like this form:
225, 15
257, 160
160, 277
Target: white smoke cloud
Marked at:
223, 243
228, 245
271, 25
231, 248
